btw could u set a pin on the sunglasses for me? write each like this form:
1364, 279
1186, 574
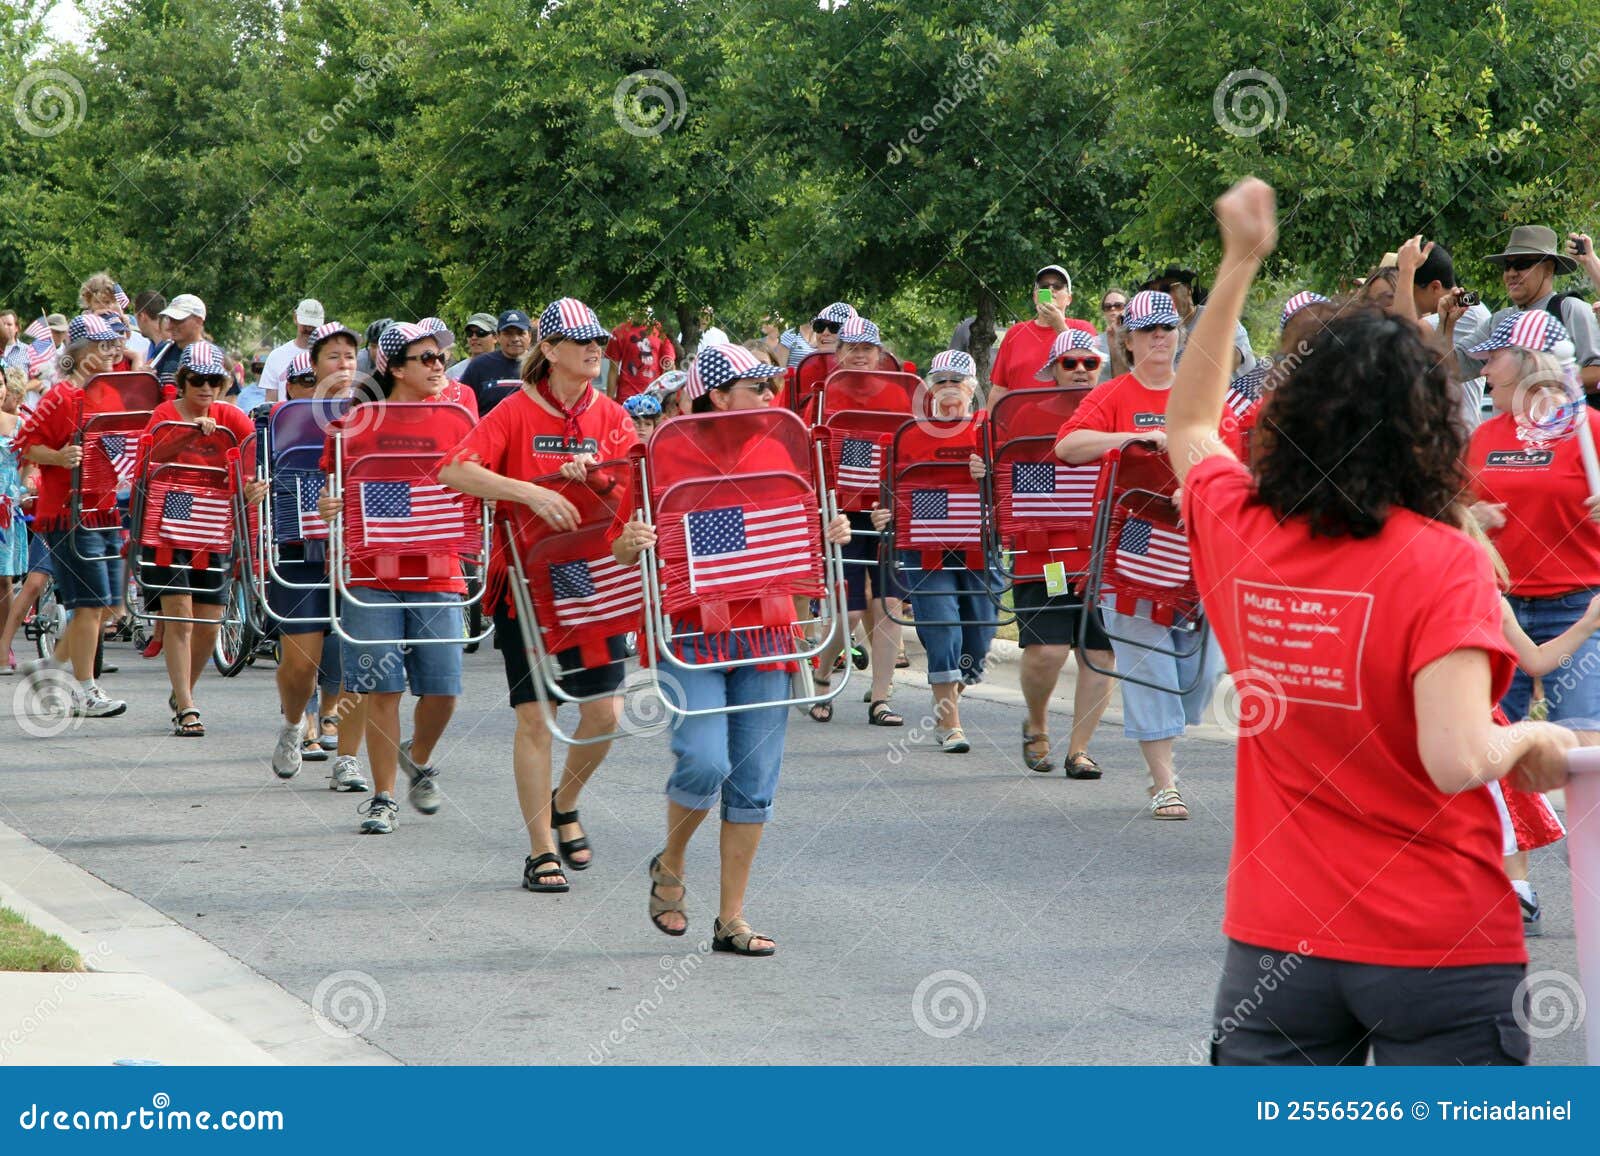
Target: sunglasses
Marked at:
587, 340
1522, 264
1053, 286
825, 326
1159, 328
764, 386
1076, 362
474, 331
1113, 306
431, 357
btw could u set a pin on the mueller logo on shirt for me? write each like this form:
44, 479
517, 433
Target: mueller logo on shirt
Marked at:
395, 444
952, 453
1520, 459
1149, 420
560, 445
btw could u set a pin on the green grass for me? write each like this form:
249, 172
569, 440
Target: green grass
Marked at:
23, 947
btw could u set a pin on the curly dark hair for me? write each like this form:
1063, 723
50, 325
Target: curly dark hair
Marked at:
1366, 421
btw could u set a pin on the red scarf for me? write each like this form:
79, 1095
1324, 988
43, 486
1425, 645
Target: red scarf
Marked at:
572, 432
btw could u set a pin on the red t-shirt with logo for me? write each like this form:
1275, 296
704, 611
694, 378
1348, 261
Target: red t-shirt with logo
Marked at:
1343, 847
642, 353
1024, 348
1549, 543
1121, 405
522, 439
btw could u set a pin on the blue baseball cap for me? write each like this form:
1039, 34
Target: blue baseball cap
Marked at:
513, 319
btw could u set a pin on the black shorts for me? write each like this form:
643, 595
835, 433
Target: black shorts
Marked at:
289, 602
860, 560
205, 587
577, 680
1054, 621
1277, 1007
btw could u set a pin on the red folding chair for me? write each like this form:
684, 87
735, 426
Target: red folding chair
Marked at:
1044, 508
114, 409
1141, 555
399, 522
735, 500
290, 463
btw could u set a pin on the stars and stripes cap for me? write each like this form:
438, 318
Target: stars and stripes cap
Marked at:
571, 319
1066, 341
718, 366
203, 359
1149, 308
1528, 329
395, 340
439, 330
952, 363
838, 313
331, 329
858, 330
114, 319
300, 367
89, 327
1296, 303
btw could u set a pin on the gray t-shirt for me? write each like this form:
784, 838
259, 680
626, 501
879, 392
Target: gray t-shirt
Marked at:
1577, 316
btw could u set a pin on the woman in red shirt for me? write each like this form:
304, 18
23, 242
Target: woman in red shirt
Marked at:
557, 423
731, 758
182, 592
1366, 875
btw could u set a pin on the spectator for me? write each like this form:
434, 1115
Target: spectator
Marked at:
1528, 268
503, 364
186, 324
709, 333
1189, 298
147, 307
639, 352
1110, 343
12, 352
307, 316
480, 339
98, 294
1025, 347
366, 357
825, 326
43, 375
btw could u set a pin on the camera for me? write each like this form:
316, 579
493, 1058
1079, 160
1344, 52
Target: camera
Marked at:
1467, 298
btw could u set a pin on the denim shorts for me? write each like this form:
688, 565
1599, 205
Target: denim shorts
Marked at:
1144, 651
39, 555
955, 618
388, 667
861, 561
734, 758
86, 584
1574, 690
288, 602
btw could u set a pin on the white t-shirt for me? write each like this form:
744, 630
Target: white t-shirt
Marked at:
140, 344
276, 370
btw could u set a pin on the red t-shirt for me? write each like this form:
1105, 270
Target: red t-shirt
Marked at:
1549, 543
1121, 405
642, 353
52, 424
1024, 348
228, 417
457, 394
1343, 847
522, 439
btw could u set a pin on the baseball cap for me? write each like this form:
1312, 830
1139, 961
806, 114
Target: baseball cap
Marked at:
441, 331
88, 327
395, 340
375, 330
859, 331
204, 359
301, 366
184, 306
330, 329
1149, 308
1066, 341
952, 363
838, 313
517, 319
483, 321
568, 317
56, 321
118, 325
1532, 329
1296, 303
1058, 271
309, 312
718, 365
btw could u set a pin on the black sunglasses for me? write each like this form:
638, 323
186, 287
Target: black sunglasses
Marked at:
474, 331
765, 385
585, 340
1113, 306
1522, 264
430, 357
1160, 328
825, 327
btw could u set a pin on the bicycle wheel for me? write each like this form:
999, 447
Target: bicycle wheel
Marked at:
140, 631
45, 624
237, 636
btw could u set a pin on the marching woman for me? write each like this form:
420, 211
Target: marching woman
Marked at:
1331, 568
410, 368
90, 589
1135, 406
557, 423
950, 601
184, 591
733, 759
13, 531
307, 655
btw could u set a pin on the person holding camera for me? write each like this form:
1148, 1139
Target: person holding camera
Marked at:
1528, 268
1026, 345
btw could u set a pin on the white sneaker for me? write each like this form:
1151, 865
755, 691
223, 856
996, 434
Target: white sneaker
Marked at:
93, 703
286, 755
424, 791
346, 775
382, 815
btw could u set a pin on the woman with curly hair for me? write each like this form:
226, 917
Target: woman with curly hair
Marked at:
1363, 630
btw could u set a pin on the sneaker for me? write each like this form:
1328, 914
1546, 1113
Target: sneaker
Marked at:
311, 750
93, 703
109, 668
382, 814
286, 755
1532, 915
328, 742
347, 775
424, 793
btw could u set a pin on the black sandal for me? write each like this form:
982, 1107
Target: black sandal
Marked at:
560, 819
193, 729
661, 877
735, 936
826, 708
1081, 766
546, 866
881, 714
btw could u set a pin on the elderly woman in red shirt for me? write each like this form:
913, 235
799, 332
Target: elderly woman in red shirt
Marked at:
1366, 874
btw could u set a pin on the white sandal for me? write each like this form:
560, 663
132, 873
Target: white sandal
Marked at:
953, 741
1164, 798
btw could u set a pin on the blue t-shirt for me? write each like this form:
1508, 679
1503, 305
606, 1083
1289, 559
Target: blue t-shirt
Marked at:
488, 369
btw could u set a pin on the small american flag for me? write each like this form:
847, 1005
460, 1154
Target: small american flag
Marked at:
122, 451
945, 517
595, 590
196, 521
294, 508
39, 355
120, 296
1154, 556
734, 545
1050, 490
860, 463
402, 513
39, 330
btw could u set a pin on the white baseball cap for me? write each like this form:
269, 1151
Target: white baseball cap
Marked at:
309, 312
185, 305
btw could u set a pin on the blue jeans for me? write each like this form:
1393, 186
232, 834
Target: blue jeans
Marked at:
955, 653
1574, 691
386, 667
734, 757
1149, 714
80, 583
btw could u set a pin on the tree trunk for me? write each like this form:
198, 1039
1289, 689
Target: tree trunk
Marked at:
688, 325
982, 340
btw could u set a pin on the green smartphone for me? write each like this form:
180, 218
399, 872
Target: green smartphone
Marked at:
1043, 296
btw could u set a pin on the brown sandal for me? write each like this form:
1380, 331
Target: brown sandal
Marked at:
1040, 763
1080, 766
736, 937
661, 877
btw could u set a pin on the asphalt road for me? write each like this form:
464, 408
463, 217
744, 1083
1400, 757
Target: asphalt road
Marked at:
929, 908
